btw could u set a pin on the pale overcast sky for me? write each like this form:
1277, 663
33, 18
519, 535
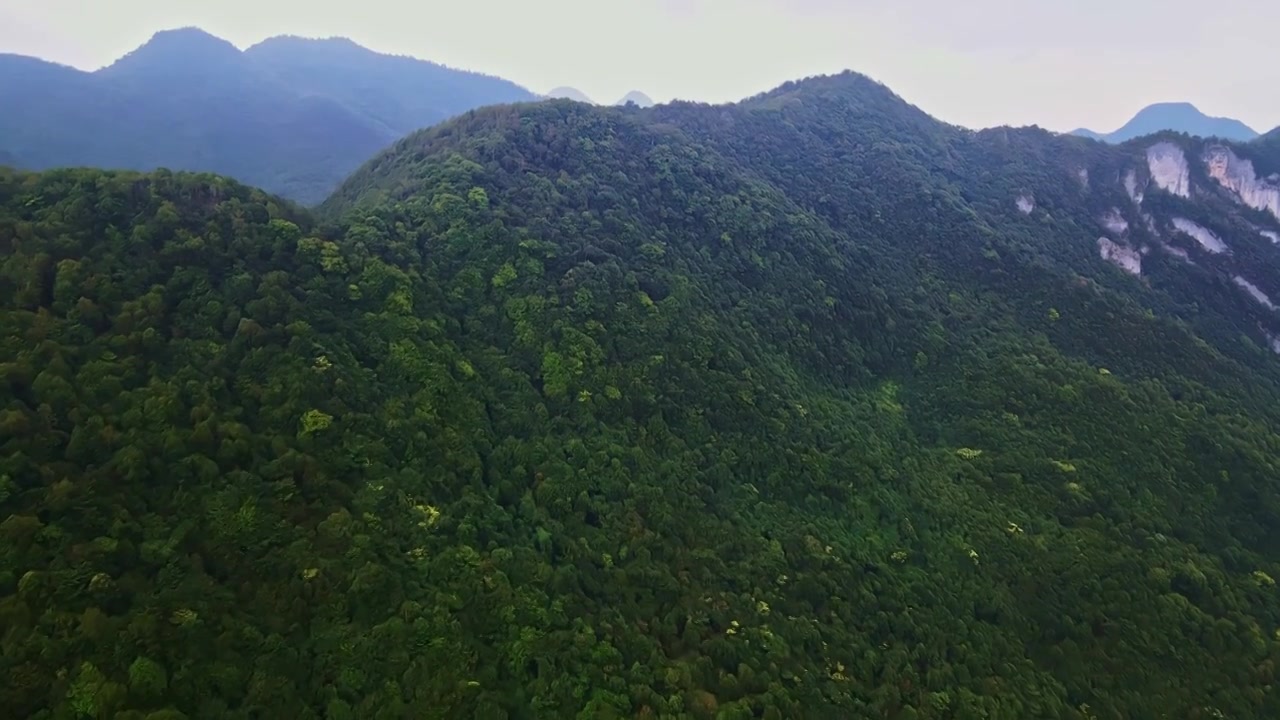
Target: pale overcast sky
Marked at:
1056, 63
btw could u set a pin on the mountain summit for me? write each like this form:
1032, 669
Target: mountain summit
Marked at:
1176, 116
565, 92
183, 51
635, 97
292, 115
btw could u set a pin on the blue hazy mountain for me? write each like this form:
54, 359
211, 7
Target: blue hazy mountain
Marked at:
1180, 117
291, 115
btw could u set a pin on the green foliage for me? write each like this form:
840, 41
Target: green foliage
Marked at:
147, 679
686, 413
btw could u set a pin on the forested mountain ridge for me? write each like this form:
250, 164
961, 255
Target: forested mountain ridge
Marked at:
291, 115
808, 406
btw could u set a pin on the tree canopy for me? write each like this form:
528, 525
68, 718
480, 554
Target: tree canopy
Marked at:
774, 410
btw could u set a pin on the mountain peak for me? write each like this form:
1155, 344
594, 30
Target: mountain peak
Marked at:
176, 51
638, 98
842, 83
1181, 117
299, 43
567, 93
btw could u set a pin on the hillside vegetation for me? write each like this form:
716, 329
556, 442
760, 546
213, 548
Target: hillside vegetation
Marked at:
784, 409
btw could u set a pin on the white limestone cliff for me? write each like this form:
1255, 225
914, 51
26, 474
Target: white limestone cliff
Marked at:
1169, 170
1178, 253
1026, 204
1237, 175
1126, 258
1254, 291
1131, 187
1115, 222
1200, 234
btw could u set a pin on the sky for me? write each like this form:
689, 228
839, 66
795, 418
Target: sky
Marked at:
1060, 64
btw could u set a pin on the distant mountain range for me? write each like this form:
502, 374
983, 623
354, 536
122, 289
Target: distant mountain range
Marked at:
567, 93
292, 115
636, 97
1179, 117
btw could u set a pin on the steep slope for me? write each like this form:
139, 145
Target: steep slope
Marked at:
292, 116
791, 408
402, 93
1177, 117
172, 55
1010, 210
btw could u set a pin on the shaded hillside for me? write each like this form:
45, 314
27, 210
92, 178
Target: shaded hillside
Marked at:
808, 406
1177, 117
402, 94
292, 116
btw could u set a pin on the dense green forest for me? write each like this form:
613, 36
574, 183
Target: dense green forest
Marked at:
774, 410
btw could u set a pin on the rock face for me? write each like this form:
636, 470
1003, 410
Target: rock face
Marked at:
1271, 235
1026, 204
1169, 171
1178, 253
1200, 234
1125, 258
1254, 291
1131, 187
1237, 175
1115, 222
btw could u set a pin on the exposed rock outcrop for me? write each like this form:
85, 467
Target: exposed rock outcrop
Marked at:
1026, 204
1201, 234
1254, 291
1126, 258
1115, 222
1237, 175
1178, 253
1169, 170
1131, 187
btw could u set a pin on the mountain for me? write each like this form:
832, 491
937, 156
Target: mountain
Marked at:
568, 93
291, 115
1178, 117
401, 93
637, 98
805, 406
